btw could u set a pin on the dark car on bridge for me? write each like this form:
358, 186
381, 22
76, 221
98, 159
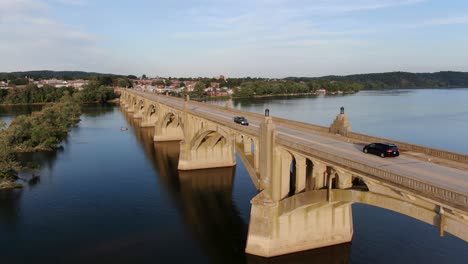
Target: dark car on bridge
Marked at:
382, 149
241, 120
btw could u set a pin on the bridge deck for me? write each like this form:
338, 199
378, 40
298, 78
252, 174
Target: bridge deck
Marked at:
447, 177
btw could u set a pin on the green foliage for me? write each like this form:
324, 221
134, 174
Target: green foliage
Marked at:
93, 93
399, 80
19, 81
8, 166
158, 82
32, 94
39, 131
63, 75
199, 90
123, 82
259, 88
43, 130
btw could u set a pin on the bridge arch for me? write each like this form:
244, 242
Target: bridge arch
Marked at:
210, 147
171, 120
139, 111
150, 116
210, 136
132, 104
170, 127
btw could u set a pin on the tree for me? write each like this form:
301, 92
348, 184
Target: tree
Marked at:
123, 83
199, 90
19, 81
143, 77
157, 82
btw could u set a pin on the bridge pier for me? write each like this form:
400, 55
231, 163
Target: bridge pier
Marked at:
278, 228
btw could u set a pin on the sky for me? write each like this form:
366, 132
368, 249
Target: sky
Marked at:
257, 38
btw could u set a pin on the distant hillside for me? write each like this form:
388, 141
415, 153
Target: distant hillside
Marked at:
64, 75
400, 79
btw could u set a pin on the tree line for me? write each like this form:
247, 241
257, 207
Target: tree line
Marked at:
62, 75
31, 94
374, 81
260, 88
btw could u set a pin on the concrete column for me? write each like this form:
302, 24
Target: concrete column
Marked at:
130, 108
267, 156
239, 139
256, 156
247, 146
285, 173
318, 175
345, 180
275, 176
300, 174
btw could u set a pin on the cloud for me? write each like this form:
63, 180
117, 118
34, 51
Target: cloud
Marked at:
460, 20
32, 39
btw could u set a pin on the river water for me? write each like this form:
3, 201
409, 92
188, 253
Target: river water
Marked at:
112, 196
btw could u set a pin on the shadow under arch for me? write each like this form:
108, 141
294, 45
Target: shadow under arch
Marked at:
150, 116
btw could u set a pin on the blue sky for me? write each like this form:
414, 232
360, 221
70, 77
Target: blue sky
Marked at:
265, 38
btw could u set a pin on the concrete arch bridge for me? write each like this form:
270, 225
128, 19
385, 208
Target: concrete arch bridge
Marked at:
308, 176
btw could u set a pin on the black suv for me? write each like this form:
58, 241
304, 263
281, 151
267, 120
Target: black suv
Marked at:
241, 120
382, 149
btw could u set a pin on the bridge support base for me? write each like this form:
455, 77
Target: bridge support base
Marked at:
275, 229
198, 165
164, 138
147, 124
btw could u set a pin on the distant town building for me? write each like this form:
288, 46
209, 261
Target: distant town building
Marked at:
190, 86
175, 83
216, 92
321, 91
77, 84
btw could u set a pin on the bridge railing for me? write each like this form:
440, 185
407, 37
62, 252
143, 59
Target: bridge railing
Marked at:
430, 190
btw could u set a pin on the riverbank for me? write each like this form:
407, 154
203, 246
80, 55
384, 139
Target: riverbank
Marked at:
113, 101
213, 98
9, 184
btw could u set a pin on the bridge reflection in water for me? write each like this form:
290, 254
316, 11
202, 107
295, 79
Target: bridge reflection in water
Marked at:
204, 199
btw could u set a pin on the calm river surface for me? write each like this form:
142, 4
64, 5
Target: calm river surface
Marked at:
116, 197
